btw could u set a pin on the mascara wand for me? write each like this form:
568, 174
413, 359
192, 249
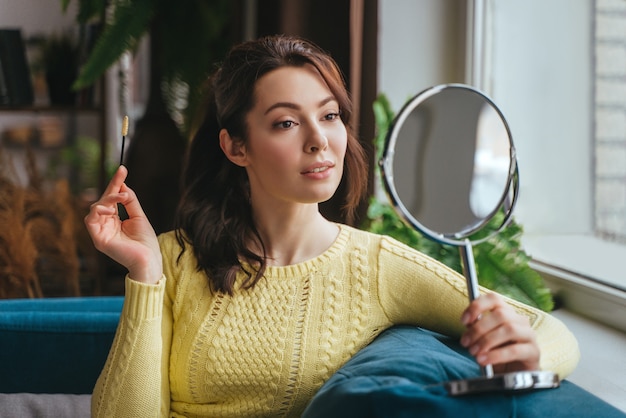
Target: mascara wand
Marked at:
121, 210
124, 133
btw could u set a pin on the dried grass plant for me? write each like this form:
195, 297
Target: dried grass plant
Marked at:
18, 254
38, 247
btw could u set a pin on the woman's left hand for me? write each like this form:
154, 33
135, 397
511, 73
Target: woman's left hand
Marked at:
499, 336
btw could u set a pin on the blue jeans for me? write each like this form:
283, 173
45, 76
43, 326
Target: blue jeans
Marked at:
400, 374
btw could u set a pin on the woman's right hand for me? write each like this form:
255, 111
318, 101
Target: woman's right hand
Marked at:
132, 242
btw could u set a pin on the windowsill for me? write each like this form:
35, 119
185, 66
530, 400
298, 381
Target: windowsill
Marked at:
586, 256
584, 273
601, 368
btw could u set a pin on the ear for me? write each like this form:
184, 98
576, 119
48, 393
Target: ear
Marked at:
233, 148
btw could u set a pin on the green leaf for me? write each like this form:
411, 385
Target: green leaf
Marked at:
383, 117
130, 22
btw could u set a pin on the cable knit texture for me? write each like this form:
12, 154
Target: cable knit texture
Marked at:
181, 350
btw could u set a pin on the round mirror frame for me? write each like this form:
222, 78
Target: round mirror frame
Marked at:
506, 203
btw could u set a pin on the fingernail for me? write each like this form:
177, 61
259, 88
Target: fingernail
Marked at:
465, 318
474, 349
482, 358
464, 340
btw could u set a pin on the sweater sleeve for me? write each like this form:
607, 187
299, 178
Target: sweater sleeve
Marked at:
134, 381
416, 289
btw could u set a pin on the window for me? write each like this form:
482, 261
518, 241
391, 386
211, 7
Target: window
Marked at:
538, 63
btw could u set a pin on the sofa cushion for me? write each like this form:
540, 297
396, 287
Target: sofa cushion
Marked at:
55, 345
28, 405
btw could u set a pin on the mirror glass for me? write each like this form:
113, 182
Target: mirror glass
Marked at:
449, 163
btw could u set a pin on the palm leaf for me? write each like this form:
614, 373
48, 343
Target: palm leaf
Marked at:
130, 22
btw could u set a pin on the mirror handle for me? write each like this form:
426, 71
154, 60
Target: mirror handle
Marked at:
469, 271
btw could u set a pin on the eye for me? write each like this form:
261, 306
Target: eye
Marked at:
331, 116
285, 124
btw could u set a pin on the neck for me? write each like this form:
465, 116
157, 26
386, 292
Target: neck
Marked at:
291, 237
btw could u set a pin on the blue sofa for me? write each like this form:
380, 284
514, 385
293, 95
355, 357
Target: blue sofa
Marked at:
52, 351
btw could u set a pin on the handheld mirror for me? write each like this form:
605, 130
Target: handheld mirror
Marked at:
450, 170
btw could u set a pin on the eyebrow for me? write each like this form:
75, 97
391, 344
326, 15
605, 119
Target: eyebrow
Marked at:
294, 106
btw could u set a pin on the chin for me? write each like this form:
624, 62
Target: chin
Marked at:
319, 198
320, 194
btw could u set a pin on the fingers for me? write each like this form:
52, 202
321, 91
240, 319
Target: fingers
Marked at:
117, 192
121, 193
512, 357
102, 221
116, 181
107, 204
494, 339
130, 202
484, 303
496, 334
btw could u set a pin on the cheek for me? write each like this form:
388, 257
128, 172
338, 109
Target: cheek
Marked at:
274, 155
341, 143
284, 153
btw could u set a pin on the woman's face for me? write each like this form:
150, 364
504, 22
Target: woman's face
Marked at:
296, 138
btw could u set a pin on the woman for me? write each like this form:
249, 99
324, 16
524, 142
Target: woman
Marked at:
256, 299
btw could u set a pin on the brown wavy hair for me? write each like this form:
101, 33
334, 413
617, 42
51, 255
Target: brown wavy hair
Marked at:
214, 215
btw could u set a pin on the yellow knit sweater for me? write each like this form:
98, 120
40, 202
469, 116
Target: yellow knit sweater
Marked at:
181, 350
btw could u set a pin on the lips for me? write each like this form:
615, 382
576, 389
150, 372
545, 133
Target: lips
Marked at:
317, 170
318, 167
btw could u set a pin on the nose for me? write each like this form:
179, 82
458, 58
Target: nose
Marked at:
317, 141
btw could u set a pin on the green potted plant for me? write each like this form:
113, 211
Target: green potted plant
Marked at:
186, 38
501, 263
